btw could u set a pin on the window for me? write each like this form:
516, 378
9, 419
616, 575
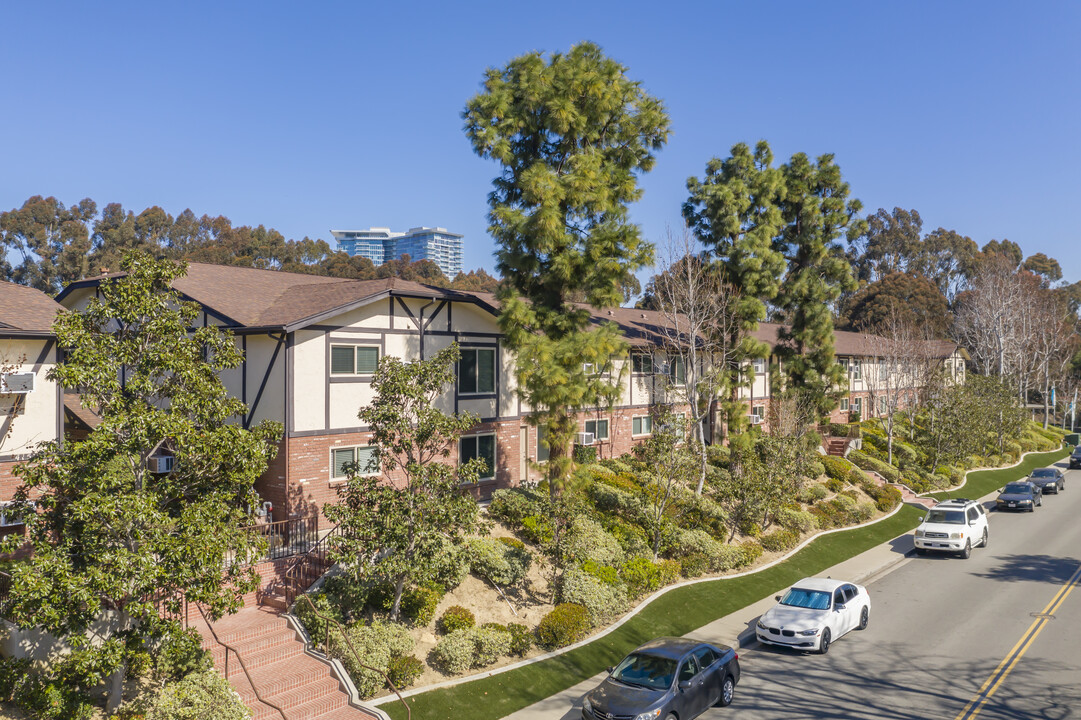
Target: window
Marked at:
759, 365
353, 359
688, 669
599, 428
478, 446
758, 411
677, 372
857, 405
972, 514
838, 597
850, 593
705, 657
856, 370
363, 456
642, 363
883, 405
476, 371
844, 404
590, 369
542, 445
9, 516
642, 425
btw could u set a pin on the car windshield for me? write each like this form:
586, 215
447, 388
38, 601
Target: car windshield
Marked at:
1016, 489
810, 599
1043, 473
950, 517
648, 671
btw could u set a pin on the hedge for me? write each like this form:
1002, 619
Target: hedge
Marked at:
567, 623
865, 462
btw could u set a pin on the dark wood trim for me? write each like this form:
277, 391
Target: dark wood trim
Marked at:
347, 380
434, 314
290, 402
390, 314
401, 303
244, 370
266, 376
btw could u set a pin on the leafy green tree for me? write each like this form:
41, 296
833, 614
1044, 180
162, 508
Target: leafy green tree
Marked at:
671, 465
109, 536
816, 212
395, 530
948, 258
890, 244
915, 298
475, 281
1007, 249
52, 240
735, 213
1046, 267
571, 134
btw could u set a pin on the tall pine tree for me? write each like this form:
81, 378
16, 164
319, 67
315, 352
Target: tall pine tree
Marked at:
572, 134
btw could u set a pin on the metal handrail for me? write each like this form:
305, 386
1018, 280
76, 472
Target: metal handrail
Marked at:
292, 590
242, 666
349, 644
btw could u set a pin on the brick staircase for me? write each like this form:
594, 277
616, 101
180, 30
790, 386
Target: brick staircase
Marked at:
302, 686
835, 446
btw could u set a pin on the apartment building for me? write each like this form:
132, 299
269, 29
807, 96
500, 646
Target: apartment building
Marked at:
380, 244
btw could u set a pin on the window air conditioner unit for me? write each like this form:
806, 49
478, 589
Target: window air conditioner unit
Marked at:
661, 368
589, 368
160, 464
584, 438
17, 383
757, 419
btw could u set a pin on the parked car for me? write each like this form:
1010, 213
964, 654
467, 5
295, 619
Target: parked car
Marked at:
665, 678
813, 613
955, 525
1021, 495
1048, 479
1075, 458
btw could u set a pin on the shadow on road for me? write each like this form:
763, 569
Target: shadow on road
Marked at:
1033, 568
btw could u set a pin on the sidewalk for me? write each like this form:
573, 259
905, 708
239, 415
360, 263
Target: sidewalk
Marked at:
736, 629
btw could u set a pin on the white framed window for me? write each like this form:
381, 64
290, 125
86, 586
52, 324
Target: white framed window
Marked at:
642, 364
10, 518
478, 446
476, 371
759, 365
590, 369
844, 404
353, 359
362, 455
599, 428
677, 373
641, 425
883, 405
857, 405
856, 369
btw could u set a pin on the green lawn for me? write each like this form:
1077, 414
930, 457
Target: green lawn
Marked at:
982, 482
677, 612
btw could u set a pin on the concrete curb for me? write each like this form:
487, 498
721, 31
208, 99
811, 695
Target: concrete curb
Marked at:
634, 611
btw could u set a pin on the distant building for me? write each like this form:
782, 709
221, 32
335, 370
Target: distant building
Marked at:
420, 243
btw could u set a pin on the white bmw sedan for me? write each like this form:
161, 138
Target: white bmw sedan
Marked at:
813, 613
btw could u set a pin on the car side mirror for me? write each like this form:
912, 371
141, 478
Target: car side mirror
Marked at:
839, 606
684, 684
609, 669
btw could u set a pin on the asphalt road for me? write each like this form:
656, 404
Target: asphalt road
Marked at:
996, 636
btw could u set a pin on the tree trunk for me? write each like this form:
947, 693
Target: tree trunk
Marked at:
399, 588
701, 431
116, 689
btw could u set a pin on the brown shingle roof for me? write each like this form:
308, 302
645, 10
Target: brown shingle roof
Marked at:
850, 344
26, 309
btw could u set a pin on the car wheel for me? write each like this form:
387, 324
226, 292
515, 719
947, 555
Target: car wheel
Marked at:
865, 615
824, 644
985, 537
1040, 503
670, 716
967, 552
728, 690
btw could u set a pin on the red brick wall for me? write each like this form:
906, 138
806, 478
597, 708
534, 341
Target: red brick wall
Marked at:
8, 482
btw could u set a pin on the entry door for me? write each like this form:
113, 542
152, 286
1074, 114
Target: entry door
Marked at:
523, 454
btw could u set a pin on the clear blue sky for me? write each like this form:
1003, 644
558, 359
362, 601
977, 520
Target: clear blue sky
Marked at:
307, 116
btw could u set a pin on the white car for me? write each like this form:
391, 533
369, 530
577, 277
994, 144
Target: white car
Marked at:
813, 613
954, 526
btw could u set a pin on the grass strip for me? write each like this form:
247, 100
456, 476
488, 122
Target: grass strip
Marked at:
677, 612
982, 482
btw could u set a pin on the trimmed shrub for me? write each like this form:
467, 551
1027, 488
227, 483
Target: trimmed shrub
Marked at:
797, 520
750, 550
403, 671
313, 624
605, 573
863, 512
865, 462
490, 644
632, 538
454, 618
510, 506
450, 566
502, 563
376, 644
585, 454
567, 623
454, 654
203, 694
837, 467
810, 494
418, 604
851, 493
815, 469
641, 576
691, 542
585, 539
835, 485
537, 529
521, 639
694, 565
886, 497
601, 600
616, 465
614, 500
780, 540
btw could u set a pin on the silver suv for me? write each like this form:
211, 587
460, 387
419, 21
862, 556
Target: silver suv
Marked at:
954, 526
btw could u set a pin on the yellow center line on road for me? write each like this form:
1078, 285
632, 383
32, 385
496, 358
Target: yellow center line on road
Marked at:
972, 709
